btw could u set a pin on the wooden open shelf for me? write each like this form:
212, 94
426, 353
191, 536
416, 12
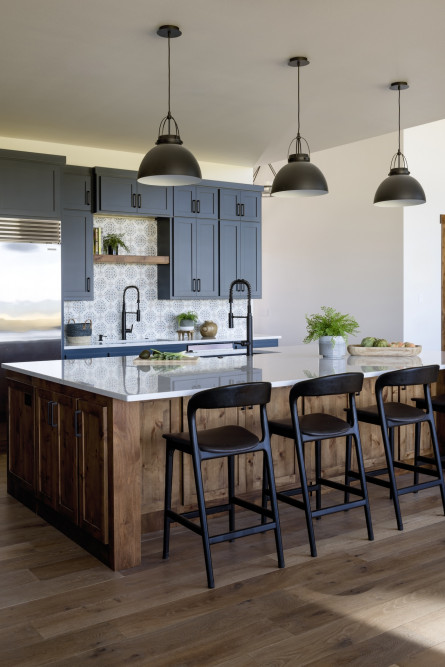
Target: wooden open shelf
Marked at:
131, 259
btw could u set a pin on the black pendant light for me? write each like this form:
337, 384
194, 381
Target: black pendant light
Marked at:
399, 188
299, 178
169, 163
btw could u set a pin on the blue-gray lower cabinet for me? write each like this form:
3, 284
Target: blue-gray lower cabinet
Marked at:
77, 256
192, 245
240, 256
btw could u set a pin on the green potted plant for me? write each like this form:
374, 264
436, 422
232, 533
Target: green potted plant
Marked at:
331, 329
186, 321
113, 242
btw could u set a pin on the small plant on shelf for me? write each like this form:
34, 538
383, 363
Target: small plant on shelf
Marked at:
187, 320
112, 242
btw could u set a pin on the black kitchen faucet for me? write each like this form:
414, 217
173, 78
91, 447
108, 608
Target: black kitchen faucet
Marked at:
137, 312
248, 343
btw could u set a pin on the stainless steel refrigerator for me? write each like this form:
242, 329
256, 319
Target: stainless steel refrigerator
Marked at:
30, 306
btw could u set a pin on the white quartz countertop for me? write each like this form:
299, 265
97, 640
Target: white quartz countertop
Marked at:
137, 342
119, 378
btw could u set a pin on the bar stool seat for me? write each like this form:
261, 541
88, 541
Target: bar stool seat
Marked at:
317, 427
392, 414
225, 441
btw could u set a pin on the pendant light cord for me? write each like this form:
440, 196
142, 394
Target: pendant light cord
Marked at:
398, 152
169, 115
298, 144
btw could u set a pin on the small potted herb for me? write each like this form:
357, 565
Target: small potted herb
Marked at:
113, 242
186, 321
331, 329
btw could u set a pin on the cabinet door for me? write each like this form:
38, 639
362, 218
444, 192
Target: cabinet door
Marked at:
116, 194
76, 189
93, 469
30, 189
77, 256
184, 268
21, 433
250, 201
47, 436
206, 258
228, 204
154, 200
229, 259
250, 255
67, 459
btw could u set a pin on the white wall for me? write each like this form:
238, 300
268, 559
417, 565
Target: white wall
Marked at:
424, 148
88, 156
337, 250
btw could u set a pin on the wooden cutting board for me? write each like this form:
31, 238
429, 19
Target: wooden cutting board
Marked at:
143, 362
358, 350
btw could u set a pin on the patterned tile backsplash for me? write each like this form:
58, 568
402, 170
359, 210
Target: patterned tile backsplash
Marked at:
158, 318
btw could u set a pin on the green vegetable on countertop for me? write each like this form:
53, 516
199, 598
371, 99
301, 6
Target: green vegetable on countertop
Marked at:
156, 354
381, 342
368, 341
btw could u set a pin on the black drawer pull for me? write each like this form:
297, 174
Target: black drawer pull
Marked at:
76, 424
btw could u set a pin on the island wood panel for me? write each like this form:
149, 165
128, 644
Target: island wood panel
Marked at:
21, 435
67, 496
47, 445
156, 418
370, 435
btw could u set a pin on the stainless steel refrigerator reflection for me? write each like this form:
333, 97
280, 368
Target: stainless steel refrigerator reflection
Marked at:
30, 307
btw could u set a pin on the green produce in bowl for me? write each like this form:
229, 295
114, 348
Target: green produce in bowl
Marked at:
145, 354
368, 341
381, 342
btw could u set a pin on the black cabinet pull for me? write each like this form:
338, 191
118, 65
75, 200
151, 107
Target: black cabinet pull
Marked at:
133, 200
88, 284
194, 285
139, 201
198, 206
242, 210
88, 197
238, 206
193, 206
51, 405
76, 424
199, 284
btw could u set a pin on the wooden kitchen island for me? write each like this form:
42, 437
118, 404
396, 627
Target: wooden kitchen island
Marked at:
85, 446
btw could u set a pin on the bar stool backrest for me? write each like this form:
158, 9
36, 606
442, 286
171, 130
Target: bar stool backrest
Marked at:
343, 383
408, 376
231, 396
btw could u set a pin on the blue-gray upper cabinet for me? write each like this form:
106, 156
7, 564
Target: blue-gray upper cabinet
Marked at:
77, 235
117, 191
195, 201
76, 188
77, 256
192, 244
240, 204
30, 185
239, 256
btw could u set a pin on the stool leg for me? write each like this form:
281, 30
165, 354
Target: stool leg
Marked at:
305, 494
268, 466
416, 452
265, 489
168, 499
231, 486
388, 443
437, 459
361, 470
203, 520
318, 475
347, 466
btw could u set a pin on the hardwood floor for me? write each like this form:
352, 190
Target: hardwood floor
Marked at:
359, 603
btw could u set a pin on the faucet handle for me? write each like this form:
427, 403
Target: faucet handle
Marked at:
101, 337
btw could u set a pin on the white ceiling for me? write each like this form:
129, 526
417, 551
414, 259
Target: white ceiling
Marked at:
94, 72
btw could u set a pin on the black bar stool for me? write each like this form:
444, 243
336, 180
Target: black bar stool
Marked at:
224, 441
317, 427
393, 414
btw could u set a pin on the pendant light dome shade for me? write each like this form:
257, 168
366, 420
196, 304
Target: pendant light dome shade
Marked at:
399, 188
299, 178
169, 163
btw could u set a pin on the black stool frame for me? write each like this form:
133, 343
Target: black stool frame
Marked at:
316, 428
391, 415
240, 395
